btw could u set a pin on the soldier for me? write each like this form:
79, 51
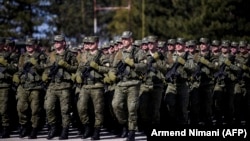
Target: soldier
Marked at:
61, 64
152, 87
205, 89
125, 101
90, 73
225, 81
31, 66
8, 67
162, 48
177, 93
241, 60
193, 83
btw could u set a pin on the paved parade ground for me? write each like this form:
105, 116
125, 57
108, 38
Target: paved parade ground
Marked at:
104, 135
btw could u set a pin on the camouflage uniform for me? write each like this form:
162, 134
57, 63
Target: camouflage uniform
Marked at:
125, 101
59, 73
177, 79
31, 67
240, 90
152, 87
225, 83
8, 66
91, 69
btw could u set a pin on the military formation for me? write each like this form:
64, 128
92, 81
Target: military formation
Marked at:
124, 85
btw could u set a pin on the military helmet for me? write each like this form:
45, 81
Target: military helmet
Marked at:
225, 43
105, 45
204, 40
242, 43
180, 40
191, 43
127, 34
215, 43
171, 42
144, 40
161, 44
152, 39
93, 39
137, 43
59, 38
30, 41
118, 40
85, 39
234, 44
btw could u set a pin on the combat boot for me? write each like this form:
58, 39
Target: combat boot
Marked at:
131, 136
124, 132
23, 131
6, 132
86, 133
96, 135
33, 134
64, 134
52, 132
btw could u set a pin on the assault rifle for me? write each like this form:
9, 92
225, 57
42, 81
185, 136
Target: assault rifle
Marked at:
87, 70
173, 71
121, 66
220, 73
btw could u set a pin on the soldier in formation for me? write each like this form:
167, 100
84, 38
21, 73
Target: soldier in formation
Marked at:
126, 82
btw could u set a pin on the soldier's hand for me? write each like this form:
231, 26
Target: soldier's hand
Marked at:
3, 61
78, 78
64, 64
227, 62
156, 56
106, 79
129, 61
112, 76
16, 79
181, 60
245, 67
33, 61
45, 77
94, 65
204, 61
73, 77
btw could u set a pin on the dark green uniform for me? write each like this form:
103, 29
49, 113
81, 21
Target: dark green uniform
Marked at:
8, 66
125, 101
60, 68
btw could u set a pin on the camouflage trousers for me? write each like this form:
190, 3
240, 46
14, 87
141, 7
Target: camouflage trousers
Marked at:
63, 95
4, 98
97, 97
28, 99
149, 104
125, 105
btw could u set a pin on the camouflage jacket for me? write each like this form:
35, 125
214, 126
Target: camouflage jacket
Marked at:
60, 77
30, 75
6, 72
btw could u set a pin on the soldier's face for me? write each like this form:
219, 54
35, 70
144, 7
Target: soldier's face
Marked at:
215, 48
233, 50
203, 47
171, 47
30, 48
180, 47
224, 49
59, 44
144, 46
191, 49
126, 42
151, 45
243, 50
93, 46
